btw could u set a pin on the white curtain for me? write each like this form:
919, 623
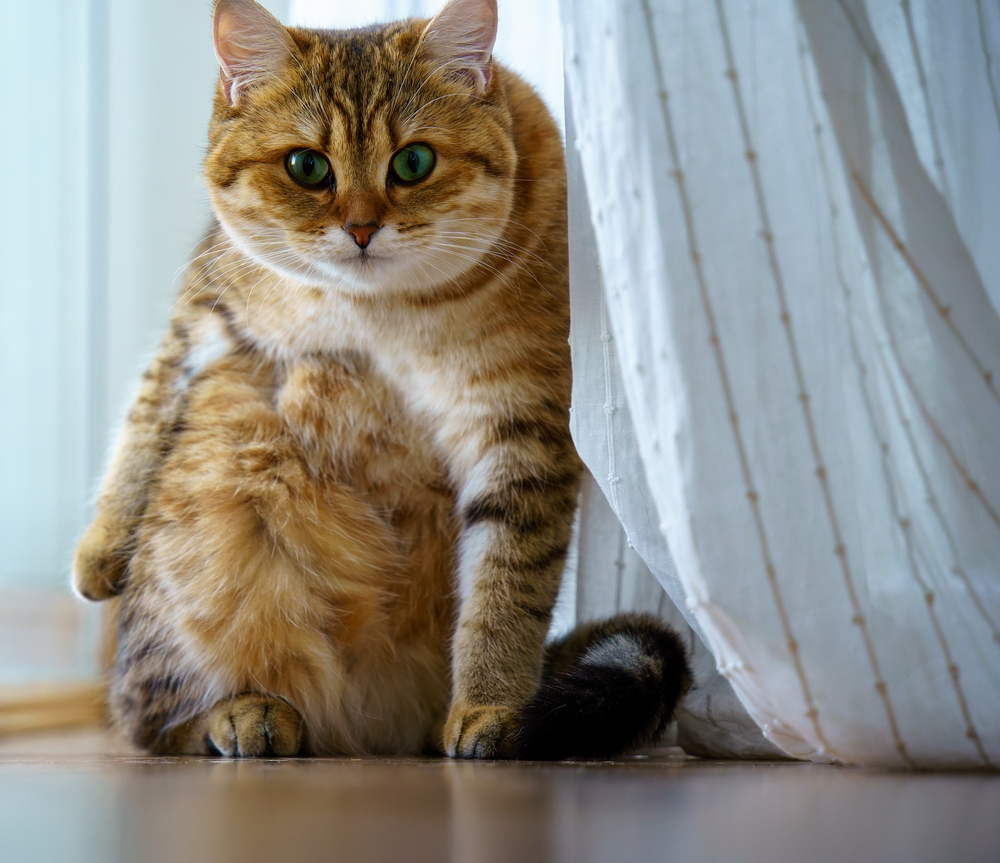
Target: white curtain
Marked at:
622, 562
796, 208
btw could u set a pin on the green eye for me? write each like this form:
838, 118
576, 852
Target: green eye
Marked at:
412, 163
308, 167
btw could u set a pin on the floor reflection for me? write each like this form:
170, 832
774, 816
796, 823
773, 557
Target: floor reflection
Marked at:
81, 808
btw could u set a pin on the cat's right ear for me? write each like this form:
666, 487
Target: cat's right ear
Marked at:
250, 44
461, 36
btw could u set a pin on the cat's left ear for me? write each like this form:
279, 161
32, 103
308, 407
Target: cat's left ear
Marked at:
250, 44
461, 35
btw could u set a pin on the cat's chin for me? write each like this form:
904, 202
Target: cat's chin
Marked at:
370, 276
380, 275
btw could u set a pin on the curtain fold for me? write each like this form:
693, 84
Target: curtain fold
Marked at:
623, 562
793, 207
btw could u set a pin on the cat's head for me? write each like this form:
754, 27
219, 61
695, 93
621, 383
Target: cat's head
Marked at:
369, 160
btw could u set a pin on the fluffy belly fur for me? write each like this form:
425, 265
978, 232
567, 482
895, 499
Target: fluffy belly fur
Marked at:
298, 542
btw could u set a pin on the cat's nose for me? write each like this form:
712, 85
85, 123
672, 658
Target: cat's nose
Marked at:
362, 233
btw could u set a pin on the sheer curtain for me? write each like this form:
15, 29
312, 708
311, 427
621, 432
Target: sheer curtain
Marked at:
795, 212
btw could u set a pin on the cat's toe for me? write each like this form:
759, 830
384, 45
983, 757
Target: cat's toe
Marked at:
480, 731
251, 725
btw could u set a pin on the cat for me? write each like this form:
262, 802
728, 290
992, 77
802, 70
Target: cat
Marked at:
338, 513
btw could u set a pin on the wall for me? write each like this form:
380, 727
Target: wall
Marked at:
105, 104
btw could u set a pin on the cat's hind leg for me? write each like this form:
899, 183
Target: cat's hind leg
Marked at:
255, 572
157, 702
254, 724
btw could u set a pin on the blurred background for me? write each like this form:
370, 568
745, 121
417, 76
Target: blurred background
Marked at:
105, 106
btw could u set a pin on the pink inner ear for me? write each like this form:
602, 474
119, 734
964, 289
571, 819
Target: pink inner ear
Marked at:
250, 44
228, 54
228, 51
463, 33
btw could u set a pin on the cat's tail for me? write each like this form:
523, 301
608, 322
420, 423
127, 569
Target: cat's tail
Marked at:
608, 688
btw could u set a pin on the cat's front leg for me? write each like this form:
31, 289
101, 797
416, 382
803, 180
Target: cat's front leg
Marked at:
106, 547
516, 510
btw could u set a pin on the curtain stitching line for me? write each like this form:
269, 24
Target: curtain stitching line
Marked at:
880, 217
874, 58
932, 499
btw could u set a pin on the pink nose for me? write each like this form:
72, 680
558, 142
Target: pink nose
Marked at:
362, 233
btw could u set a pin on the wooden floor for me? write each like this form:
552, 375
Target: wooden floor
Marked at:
77, 797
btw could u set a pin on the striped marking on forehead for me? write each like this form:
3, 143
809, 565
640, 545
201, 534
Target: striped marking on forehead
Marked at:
356, 73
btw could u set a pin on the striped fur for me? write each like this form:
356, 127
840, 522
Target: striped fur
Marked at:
339, 509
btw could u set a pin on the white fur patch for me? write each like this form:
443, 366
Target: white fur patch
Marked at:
480, 479
474, 546
616, 651
211, 343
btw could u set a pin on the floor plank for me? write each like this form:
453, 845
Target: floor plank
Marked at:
76, 798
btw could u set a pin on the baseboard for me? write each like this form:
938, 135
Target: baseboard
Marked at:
50, 706
48, 669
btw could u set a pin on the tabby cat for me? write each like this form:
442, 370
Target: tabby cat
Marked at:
339, 510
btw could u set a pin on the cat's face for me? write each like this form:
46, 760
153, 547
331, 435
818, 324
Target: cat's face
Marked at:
371, 160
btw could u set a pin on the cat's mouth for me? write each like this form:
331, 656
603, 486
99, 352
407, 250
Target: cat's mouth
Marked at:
360, 268
363, 259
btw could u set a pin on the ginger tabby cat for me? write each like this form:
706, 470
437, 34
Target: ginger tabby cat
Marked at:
338, 513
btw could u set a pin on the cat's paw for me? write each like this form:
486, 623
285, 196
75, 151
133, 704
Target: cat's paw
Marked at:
253, 724
100, 560
480, 731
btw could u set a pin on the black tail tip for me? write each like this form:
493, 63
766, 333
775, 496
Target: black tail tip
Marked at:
608, 688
